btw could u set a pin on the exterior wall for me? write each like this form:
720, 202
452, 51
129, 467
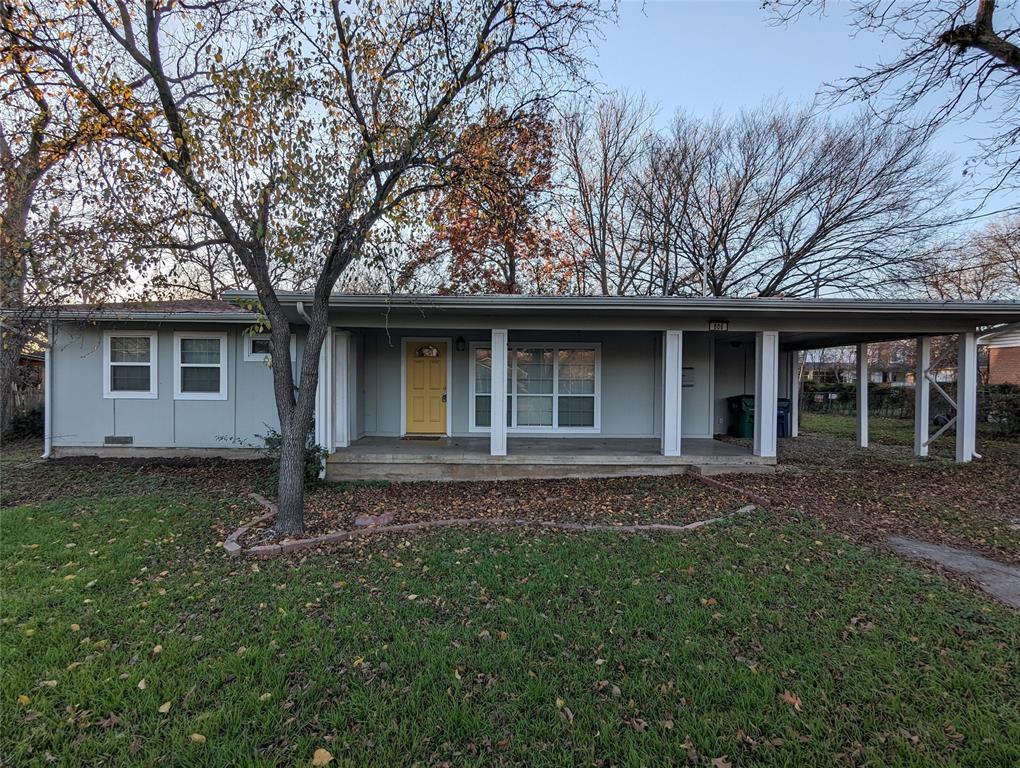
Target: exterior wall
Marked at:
1004, 365
734, 375
82, 417
631, 379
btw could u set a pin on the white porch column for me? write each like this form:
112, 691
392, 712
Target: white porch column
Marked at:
922, 392
344, 367
766, 389
794, 394
672, 391
966, 398
862, 395
324, 398
497, 400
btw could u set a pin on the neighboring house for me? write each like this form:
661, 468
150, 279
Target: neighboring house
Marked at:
1003, 355
476, 386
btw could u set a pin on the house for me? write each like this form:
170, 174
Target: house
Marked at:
1003, 355
481, 386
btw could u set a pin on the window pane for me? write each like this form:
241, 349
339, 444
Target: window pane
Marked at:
483, 371
261, 346
129, 349
483, 411
200, 379
576, 412
129, 378
534, 411
534, 372
577, 371
202, 351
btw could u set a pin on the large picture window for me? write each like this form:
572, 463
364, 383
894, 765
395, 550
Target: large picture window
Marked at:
129, 364
550, 387
200, 366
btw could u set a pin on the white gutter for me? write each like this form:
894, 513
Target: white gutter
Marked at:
300, 306
48, 392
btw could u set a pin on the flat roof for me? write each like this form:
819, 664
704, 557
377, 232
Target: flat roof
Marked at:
475, 302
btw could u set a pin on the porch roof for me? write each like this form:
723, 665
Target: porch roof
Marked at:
804, 323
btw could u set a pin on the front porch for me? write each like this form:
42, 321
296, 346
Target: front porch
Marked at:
469, 458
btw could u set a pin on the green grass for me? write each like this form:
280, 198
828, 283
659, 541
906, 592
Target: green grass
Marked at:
485, 648
880, 430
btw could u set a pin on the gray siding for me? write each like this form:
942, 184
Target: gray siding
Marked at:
631, 379
83, 417
631, 387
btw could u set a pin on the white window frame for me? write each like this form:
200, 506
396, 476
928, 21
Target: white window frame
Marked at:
262, 357
555, 346
178, 365
153, 392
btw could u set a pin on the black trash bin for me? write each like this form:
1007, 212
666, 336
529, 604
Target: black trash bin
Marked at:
784, 417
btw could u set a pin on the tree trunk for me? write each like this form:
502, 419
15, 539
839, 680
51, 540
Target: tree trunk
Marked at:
290, 498
9, 355
296, 412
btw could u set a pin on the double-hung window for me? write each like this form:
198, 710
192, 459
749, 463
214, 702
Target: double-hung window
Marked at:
200, 366
129, 364
550, 387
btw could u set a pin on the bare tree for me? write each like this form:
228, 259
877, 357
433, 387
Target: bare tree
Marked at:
976, 265
778, 202
601, 148
959, 58
296, 129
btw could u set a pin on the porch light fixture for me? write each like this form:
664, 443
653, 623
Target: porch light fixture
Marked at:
461, 344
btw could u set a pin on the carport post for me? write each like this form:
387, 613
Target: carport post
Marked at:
922, 390
862, 395
497, 399
966, 398
766, 390
672, 391
794, 394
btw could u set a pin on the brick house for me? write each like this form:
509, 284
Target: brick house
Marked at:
1003, 355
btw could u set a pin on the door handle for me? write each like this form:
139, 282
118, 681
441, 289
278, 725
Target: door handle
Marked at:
444, 397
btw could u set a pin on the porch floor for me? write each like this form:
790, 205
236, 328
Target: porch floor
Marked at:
468, 458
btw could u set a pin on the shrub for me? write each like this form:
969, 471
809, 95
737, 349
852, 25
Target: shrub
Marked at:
314, 455
26, 424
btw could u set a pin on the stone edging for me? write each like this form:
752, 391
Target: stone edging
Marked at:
234, 548
233, 544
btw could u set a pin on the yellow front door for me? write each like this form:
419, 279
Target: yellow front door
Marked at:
426, 387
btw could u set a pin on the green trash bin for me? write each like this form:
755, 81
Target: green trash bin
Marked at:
741, 415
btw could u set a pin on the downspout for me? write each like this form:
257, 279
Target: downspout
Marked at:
48, 392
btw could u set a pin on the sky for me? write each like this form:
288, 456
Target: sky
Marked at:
726, 54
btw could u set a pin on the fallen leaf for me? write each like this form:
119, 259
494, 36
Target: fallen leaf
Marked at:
142, 685
198, 738
721, 762
265, 697
792, 699
322, 757
75, 627
23, 700
164, 707
48, 683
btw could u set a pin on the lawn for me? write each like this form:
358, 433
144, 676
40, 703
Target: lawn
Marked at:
127, 637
